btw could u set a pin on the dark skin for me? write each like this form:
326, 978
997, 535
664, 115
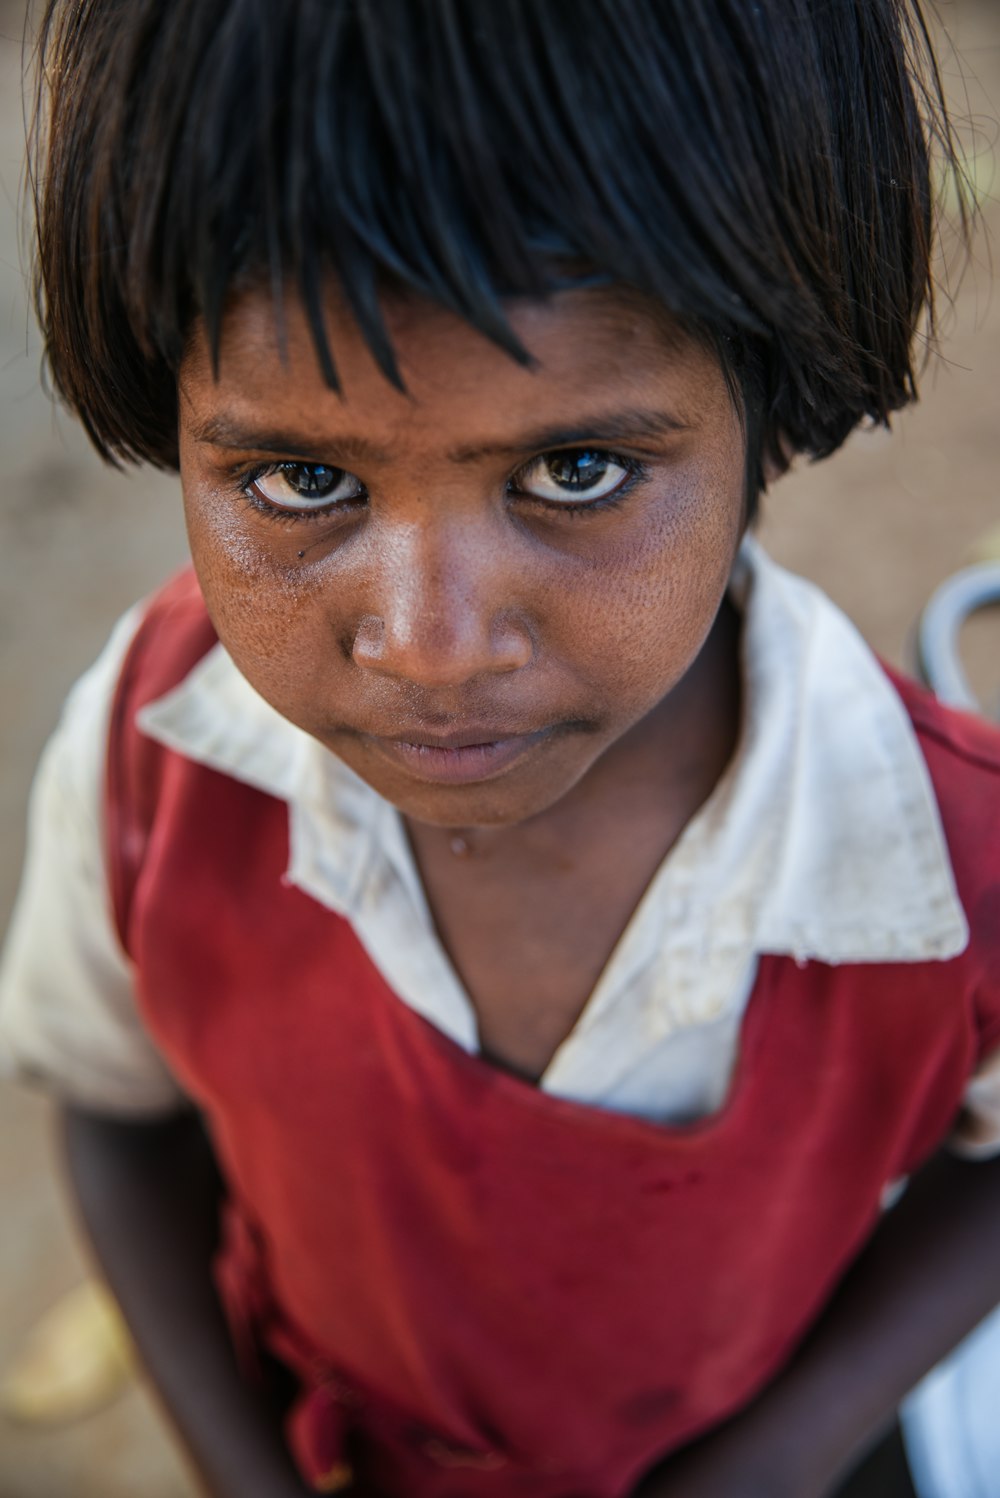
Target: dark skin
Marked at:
149, 1195
499, 599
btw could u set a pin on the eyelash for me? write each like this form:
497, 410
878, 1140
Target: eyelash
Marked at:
635, 470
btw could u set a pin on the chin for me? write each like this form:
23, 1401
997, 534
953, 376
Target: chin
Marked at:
487, 804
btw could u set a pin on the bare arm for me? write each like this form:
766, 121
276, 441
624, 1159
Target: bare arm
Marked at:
930, 1273
149, 1195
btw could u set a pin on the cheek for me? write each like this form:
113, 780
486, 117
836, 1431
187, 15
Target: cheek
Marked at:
657, 600
257, 600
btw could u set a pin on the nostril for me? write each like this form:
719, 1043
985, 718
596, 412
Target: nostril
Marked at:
365, 646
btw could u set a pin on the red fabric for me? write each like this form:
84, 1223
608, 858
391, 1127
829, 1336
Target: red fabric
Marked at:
482, 1288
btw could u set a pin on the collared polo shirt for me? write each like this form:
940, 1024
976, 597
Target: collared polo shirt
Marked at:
822, 840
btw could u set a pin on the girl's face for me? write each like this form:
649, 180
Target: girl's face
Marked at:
474, 591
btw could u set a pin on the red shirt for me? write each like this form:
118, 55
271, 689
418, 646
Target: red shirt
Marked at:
484, 1288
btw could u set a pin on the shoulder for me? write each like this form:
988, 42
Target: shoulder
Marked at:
67, 1011
962, 737
962, 753
174, 633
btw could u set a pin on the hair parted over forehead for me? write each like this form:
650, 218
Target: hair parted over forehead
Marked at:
759, 167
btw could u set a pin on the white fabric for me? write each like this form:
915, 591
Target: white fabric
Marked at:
67, 1009
977, 1134
822, 840
950, 1420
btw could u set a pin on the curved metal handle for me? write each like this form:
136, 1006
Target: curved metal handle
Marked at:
938, 629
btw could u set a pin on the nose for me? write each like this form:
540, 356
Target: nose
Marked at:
441, 610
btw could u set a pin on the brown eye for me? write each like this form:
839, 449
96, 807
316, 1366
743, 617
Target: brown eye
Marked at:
306, 486
572, 477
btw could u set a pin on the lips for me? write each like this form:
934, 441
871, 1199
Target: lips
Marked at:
464, 738
462, 757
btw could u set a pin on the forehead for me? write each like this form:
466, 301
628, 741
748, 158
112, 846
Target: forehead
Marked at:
592, 351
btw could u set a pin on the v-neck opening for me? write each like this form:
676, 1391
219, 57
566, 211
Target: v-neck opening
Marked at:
568, 1112
621, 966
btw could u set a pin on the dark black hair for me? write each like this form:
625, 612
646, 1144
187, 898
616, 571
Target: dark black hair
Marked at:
759, 167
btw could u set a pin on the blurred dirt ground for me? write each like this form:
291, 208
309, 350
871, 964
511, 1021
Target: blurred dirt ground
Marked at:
879, 526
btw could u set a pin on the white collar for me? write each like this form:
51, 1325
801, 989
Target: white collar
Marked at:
821, 841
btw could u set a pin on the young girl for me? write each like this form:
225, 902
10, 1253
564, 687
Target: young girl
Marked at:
533, 917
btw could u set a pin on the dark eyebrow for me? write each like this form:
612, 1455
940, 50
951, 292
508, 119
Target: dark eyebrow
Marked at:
605, 428
222, 431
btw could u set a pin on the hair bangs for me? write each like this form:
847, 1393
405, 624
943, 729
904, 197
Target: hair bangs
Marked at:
761, 171
460, 152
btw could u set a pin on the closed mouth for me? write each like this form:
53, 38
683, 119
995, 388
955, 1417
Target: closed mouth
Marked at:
459, 758
459, 738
